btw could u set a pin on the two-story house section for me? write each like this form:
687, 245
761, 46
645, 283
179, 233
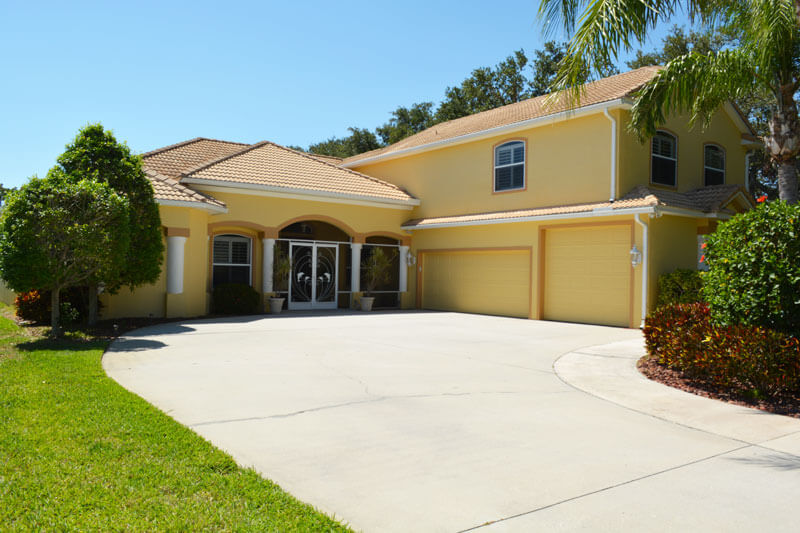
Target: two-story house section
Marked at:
535, 210
545, 211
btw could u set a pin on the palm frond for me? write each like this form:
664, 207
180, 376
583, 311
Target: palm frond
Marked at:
696, 84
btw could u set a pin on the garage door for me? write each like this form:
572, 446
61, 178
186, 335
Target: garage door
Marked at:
587, 275
487, 282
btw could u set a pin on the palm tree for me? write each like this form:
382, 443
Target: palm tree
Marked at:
766, 59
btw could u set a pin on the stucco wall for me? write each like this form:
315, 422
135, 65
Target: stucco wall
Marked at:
634, 156
566, 163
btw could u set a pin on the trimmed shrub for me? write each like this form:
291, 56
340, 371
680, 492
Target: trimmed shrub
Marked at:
235, 299
35, 305
751, 360
683, 286
753, 273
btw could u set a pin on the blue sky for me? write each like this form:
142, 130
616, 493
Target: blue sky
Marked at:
158, 73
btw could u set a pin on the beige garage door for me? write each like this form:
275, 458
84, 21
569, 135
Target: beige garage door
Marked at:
587, 275
487, 282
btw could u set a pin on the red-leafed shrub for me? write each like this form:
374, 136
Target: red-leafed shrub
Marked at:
755, 361
35, 305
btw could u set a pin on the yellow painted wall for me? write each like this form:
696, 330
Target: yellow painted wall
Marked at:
566, 163
247, 215
150, 300
634, 157
673, 245
272, 212
7, 296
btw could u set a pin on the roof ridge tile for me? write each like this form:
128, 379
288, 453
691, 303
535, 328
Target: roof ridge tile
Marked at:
185, 143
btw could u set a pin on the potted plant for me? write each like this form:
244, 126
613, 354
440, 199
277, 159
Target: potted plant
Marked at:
281, 266
376, 271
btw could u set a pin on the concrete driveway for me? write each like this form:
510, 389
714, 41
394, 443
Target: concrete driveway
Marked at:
453, 422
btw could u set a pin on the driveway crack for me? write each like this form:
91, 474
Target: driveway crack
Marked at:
604, 489
374, 399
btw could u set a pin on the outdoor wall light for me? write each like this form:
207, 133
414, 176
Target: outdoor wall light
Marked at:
411, 259
636, 257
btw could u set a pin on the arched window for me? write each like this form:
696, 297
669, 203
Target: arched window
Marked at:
509, 166
713, 165
664, 159
232, 260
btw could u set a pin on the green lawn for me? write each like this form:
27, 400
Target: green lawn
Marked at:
79, 452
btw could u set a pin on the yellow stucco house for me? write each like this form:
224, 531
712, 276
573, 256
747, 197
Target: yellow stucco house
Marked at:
530, 210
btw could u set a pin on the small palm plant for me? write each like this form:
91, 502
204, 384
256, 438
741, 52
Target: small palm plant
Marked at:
281, 267
377, 269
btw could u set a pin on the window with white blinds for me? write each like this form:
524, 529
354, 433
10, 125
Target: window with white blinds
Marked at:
664, 159
231, 260
713, 165
509, 166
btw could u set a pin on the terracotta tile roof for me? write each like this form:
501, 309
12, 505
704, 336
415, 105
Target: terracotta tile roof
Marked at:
166, 188
703, 200
276, 167
327, 158
604, 90
175, 159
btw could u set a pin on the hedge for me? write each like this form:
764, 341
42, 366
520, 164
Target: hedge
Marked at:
235, 299
682, 286
753, 361
753, 273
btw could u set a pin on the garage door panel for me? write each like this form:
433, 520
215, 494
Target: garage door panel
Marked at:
488, 282
587, 275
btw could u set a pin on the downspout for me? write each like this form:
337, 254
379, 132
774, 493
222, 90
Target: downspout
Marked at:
613, 195
747, 170
645, 257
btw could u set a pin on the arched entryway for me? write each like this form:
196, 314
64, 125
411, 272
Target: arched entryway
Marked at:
323, 263
319, 256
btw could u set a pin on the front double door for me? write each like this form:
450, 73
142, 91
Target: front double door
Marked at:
313, 279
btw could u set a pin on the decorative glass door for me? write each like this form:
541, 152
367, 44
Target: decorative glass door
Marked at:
313, 277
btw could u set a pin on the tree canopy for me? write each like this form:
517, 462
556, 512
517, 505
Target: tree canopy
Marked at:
762, 61
61, 232
514, 79
96, 155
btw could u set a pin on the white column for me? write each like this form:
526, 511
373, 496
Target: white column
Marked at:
355, 267
175, 247
267, 264
403, 269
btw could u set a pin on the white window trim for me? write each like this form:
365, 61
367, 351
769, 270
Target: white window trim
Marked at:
706, 167
249, 256
675, 159
524, 166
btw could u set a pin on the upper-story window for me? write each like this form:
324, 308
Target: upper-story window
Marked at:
232, 260
664, 159
509, 166
713, 165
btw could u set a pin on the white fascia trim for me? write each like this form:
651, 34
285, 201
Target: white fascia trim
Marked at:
680, 212
536, 218
296, 194
195, 205
737, 118
656, 211
491, 132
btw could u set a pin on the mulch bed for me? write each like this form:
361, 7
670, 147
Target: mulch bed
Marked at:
649, 366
